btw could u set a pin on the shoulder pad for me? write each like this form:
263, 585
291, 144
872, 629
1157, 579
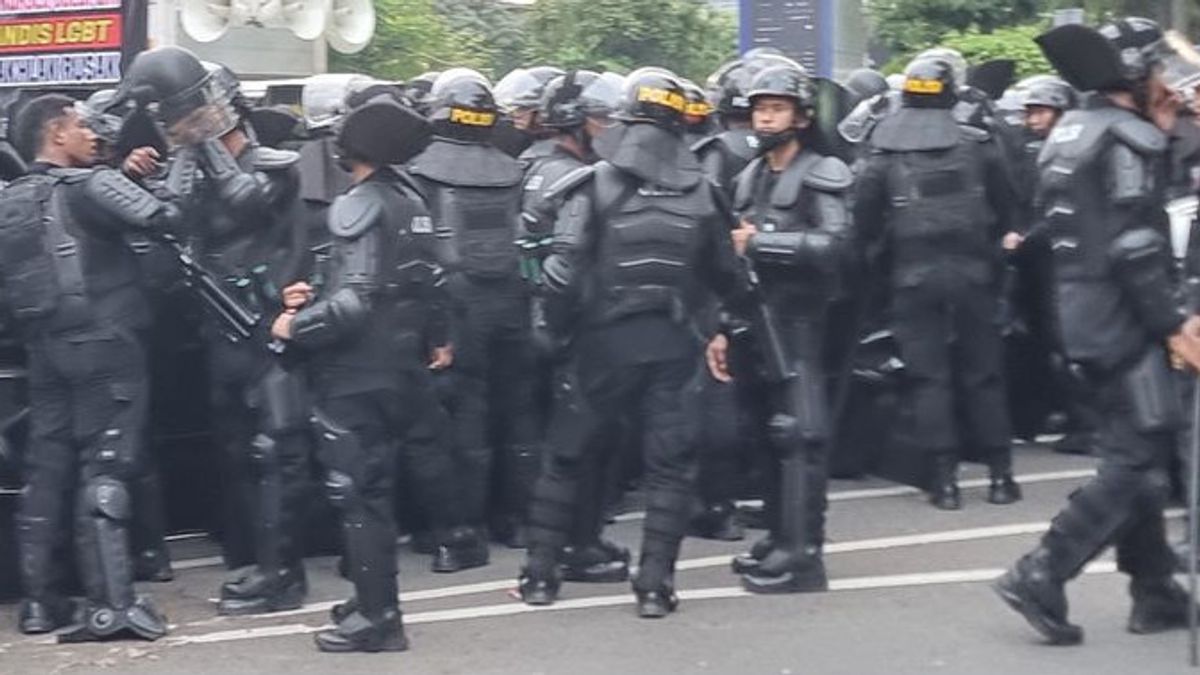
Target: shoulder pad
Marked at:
571, 182
702, 144
743, 185
355, 212
70, 175
970, 133
270, 159
829, 174
1142, 136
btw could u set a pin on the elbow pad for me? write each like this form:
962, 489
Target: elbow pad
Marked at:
121, 198
328, 321
1141, 262
811, 249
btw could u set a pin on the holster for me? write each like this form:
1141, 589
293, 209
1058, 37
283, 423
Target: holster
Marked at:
1151, 393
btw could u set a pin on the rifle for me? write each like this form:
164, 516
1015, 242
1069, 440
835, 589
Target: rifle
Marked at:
765, 331
237, 322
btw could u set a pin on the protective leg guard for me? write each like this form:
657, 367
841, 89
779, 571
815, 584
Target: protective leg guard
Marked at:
795, 564
665, 525
463, 549
102, 538
1002, 487
43, 610
101, 623
744, 563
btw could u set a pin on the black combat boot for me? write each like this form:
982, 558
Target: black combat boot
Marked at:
745, 563
259, 591
1031, 589
718, 521
46, 615
1003, 489
788, 571
1158, 605
357, 633
340, 611
943, 492
538, 588
654, 588
464, 549
598, 563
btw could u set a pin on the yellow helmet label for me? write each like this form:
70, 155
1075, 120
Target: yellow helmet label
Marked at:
665, 97
472, 118
698, 109
916, 86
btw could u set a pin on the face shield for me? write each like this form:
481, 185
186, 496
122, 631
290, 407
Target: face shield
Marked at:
323, 98
201, 113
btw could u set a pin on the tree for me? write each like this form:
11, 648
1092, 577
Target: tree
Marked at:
909, 25
686, 36
498, 31
412, 37
1014, 43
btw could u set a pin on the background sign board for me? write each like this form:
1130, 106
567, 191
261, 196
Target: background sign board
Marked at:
828, 37
64, 42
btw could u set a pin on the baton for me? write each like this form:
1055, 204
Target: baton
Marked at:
1193, 513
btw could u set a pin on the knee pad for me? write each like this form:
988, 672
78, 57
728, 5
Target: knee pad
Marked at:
783, 430
342, 491
108, 498
264, 452
116, 452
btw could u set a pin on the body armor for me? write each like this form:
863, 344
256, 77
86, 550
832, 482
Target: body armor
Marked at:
935, 193
543, 173
60, 276
1112, 291
473, 191
801, 224
724, 155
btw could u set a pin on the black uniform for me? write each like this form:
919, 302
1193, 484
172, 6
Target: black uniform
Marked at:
366, 342
800, 253
1101, 196
75, 292
633, 242
474, 192
249, 232
724, 155
939, 198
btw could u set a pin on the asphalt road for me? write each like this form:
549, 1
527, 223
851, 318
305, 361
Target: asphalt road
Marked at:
909, 595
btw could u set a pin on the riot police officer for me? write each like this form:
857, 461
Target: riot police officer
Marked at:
1102, 201
519, 131
636, 235
473, 191
247, 229
938, 198
576, 107
795, 230
72, 284
364, 336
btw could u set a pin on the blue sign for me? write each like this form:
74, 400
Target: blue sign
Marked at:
802, 29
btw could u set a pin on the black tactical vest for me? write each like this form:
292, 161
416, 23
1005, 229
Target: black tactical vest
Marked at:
1075, 202
648, 239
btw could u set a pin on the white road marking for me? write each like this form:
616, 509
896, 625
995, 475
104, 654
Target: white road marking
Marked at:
720, 593
904, 490
878, 544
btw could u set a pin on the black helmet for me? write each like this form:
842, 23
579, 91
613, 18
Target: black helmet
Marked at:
462, 105
727, 89
518, 90
865, 83
417, 89
380, 129
1138, 43
193, 105
785, 81
95, 111
698, 111
1050, 92
929, 83
953, 57
323, 98
653, 95
570, 99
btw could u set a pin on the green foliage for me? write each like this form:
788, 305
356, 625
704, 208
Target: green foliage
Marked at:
686, 36
909, 25
1006, 43
414, 36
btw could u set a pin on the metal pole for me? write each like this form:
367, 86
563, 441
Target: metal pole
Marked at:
1193, 513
